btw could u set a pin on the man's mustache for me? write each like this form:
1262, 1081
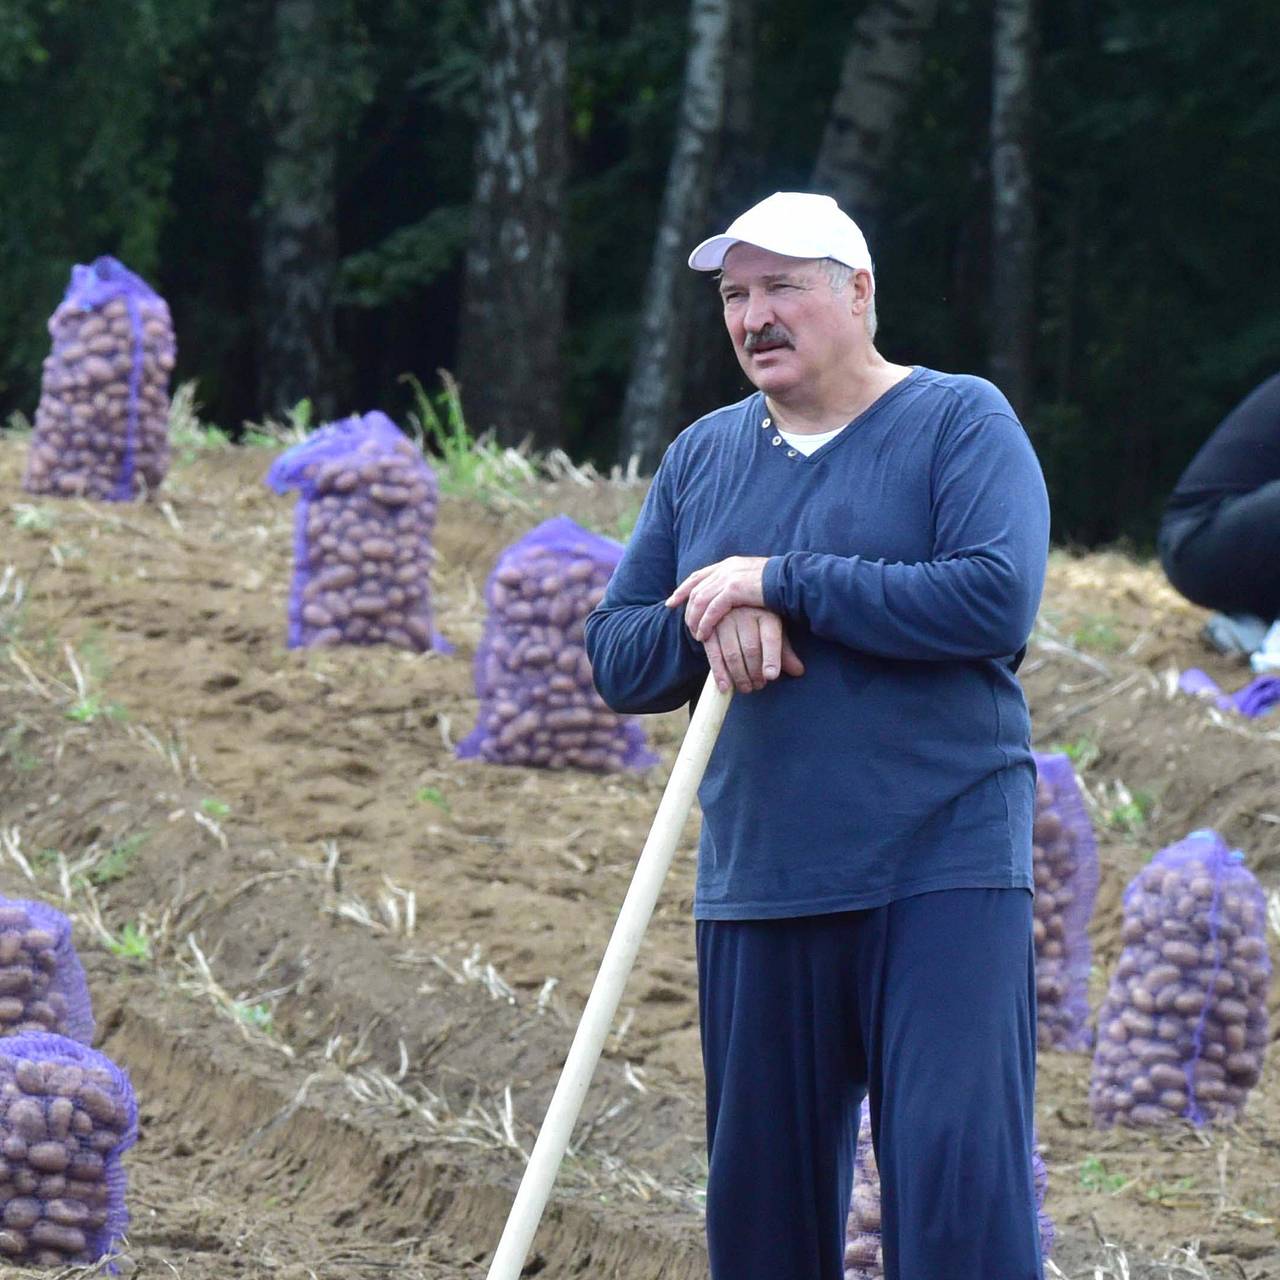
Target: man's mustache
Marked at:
771, 335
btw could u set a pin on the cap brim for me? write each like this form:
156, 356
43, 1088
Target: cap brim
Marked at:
709, 255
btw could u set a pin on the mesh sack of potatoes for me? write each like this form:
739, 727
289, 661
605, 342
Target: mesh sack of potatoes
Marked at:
538, 705
363, 531
1183, 1029
1065, 865
102, 424
67, 1114
863, 1256
42, 983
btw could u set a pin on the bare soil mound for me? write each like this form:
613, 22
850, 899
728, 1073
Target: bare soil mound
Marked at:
343, 967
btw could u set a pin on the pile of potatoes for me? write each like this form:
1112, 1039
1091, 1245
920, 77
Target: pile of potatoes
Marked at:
863, 1258
102, 424
66, 1116
42, 984
863, 1255
1065, 867
538, 705
363, 548
1183, 1029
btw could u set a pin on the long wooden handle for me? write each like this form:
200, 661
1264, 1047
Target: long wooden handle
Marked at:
606, 993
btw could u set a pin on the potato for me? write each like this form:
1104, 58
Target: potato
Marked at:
111, 379
1184, 992
538, 702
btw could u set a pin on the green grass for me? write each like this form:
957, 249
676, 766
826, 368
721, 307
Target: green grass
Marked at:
118, 861
93, 707
257, 1016
1099, 634
212, 807
30, 518
18, 424
130, 944
1094, 1177
464, 464
1082, 751
1132, 812
433, 795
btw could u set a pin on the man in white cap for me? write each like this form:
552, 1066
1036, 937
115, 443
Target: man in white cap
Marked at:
860, 546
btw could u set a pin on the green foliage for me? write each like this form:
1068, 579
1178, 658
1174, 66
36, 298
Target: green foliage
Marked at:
1082, 751
257, 1016
1099, 634
466, 465
1131, 810
131, 943
93, 706
118, 860
212, 807
433, 795
33, 519
407, 260
1094, 1177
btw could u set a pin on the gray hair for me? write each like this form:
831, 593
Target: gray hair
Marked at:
838, 275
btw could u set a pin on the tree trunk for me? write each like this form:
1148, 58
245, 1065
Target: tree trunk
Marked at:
1013, 231
657, 368
881, 68
510, 359
299, 238
712, 373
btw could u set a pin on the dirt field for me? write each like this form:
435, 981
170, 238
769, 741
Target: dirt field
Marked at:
345, 967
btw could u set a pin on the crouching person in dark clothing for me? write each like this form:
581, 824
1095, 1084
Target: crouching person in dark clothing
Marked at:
1220, 536
860, 547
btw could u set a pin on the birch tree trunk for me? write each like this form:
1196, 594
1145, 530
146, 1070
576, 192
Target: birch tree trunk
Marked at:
657, 367
510, 356
1013, 230
299, 247
712, 373
881, 68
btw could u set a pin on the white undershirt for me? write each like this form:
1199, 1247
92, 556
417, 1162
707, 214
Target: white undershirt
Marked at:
808, 443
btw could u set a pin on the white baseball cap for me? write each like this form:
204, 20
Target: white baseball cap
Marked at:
797, 224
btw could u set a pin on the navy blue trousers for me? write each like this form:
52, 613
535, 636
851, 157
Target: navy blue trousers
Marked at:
928, 1006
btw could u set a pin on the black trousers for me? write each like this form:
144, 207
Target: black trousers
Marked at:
928, 1004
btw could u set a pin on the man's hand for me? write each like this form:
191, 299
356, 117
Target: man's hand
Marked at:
748, 648
711, 592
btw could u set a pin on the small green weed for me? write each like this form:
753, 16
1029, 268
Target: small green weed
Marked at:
1094, 1177
1165, 1192
271, 433
45, 859
212, 807
474, 466
12, 745
33, 519
433, 795
1131, 811
257, 1016
93, 706
132, 943
18, 424
1083, 751
1099, 634
116, 863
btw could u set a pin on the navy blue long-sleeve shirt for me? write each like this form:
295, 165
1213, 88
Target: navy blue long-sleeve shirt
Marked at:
906, 557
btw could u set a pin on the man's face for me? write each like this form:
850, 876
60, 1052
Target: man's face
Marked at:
788, 327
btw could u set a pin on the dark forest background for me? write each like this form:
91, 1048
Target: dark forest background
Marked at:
1078, 199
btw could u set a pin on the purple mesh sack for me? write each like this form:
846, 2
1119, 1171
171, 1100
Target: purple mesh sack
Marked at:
102, 425
68, 1115
1183, 1029
1065, 866
863, 1255
42, 983
538, 705
362, 536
